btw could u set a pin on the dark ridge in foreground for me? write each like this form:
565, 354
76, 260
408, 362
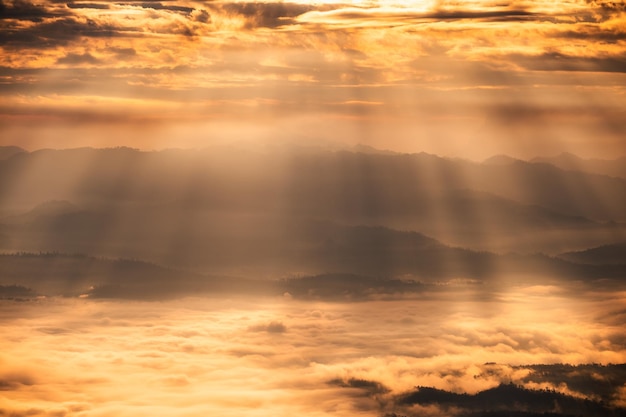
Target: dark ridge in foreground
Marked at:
511, 400
582, 378
586, 390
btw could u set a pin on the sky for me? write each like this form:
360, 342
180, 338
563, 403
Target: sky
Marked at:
458, 78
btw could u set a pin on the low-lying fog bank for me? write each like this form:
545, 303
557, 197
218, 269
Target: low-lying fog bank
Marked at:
254, 356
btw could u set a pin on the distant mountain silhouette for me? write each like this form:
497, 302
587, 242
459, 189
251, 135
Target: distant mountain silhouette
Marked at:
353, 262
371, 150
236, 243
236, 207
333, 183
8, 151
55, 274
571, 162
46, 211
500, 160
348, 287
606, 254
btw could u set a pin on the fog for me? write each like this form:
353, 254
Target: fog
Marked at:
282, 357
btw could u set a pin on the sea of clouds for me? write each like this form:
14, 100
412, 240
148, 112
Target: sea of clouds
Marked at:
284, 357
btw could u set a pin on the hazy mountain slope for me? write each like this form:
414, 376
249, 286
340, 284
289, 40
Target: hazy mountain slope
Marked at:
606, 254
8, 151
306, 248
174, 203
500, 160
337, 182
568, 161
55, 274
375, 185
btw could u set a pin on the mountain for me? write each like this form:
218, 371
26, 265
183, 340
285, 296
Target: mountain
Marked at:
337, 183
566, 391
512, 400
8, 151
335, 261
614, 254
371, 150
500, 160
54, 274
219, 206
26, 275
376, 185
46, 211
571, 162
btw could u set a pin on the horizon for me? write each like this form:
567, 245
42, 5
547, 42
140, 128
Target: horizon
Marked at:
357, 148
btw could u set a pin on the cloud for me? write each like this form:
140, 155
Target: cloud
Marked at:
160, 6
25, 10
612, 37
272, 327
268, 15
123, 53
402, 16
288, 61
201, 16
15, 380
557, 61
58, 32
77, 59
220, 357
97, 6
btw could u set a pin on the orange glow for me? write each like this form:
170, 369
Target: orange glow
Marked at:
296, 208
192, 358
443, 69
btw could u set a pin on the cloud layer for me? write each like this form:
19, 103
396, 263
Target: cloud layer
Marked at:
282, 357
430, 69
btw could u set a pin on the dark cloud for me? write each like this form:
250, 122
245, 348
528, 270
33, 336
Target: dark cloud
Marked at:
492, 15
602, 11
73, 59
56, 32
609, 5
14, 381
594, 33
557, 61
272, 327
202, 16
161, 6
24, 10
371, 387
88, 6
123, 52
270, 15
